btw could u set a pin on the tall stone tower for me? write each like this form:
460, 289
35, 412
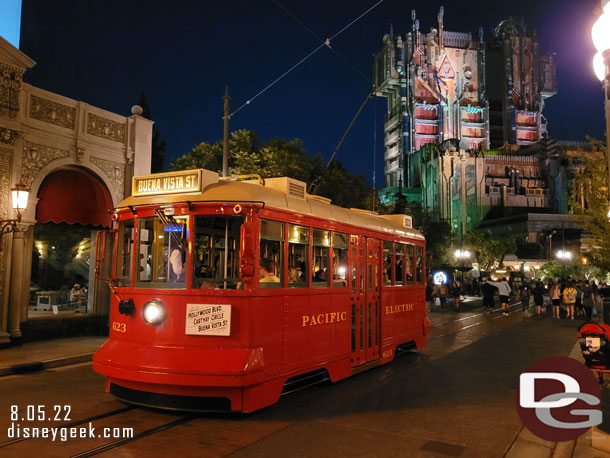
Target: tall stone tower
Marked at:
435, 86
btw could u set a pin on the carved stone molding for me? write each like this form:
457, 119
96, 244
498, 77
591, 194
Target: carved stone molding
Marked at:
35, 157
52, 112
80, 154
5, 168
10, 86
105, 128
114, 171
9, 136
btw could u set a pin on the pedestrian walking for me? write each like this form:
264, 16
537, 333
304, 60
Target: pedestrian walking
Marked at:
538, 293
569, 299
504, 293
588, 300
456, 292
488, 291
524, 294
555, 294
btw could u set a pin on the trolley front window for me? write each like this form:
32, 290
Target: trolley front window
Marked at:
162, 249
125, 246
216, 254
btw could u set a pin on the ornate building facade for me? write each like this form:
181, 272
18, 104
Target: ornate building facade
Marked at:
444, 85
77, 162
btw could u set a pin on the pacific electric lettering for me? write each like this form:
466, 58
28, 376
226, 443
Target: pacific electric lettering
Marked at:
324, 318
399, 308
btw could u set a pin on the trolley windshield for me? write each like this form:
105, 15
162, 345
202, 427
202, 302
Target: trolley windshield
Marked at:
162, 252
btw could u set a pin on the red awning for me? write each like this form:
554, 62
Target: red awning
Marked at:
70, 196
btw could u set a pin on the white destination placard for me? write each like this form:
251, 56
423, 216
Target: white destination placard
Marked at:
208, 319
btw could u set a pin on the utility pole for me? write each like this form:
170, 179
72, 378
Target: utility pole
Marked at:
225, 140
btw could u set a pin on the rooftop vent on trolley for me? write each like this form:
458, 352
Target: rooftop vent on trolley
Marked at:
226, 291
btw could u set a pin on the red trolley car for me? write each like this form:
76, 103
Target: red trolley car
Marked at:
225, 291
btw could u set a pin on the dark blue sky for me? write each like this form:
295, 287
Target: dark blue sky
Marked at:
184, 53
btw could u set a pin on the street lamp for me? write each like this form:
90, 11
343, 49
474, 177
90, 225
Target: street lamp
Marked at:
600, 33
462, 256
20, 196
564, 256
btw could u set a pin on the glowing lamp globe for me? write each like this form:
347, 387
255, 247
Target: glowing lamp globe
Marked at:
599, 67
600, 33
20, 196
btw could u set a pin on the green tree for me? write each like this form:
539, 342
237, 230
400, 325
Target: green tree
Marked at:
158, 144
589, 203
343, 187
490, 249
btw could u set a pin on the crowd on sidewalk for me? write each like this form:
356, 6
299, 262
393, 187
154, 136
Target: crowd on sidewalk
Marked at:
570, 299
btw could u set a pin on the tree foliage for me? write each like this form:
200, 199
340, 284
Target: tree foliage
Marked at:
275, 158
488, 249
589, 202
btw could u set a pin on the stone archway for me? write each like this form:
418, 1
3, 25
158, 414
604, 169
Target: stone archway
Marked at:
73, 205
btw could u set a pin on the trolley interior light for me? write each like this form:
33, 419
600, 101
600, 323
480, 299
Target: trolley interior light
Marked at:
154, 312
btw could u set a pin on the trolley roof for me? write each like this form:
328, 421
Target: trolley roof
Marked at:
280, 193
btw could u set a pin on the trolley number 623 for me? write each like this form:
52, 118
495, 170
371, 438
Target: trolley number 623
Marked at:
119, 327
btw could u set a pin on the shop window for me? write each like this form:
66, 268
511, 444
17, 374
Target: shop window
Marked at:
271, 252
298, 256
320, 264
216, 246
62, 264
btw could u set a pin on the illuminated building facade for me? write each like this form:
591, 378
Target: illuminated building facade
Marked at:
465, 133
444, 85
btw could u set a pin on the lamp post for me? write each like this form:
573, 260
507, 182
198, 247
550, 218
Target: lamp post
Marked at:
20, 196
600, 33
462, 256
564, 256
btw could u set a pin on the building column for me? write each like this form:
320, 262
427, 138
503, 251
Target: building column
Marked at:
16, 286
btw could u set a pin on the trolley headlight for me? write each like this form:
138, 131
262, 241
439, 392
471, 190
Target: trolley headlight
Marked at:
154, 312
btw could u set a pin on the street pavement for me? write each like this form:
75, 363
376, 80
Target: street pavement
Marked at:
456, 398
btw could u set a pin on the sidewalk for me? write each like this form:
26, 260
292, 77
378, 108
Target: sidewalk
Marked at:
35, 356
529, 446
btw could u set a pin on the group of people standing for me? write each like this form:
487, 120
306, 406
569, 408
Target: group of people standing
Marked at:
578, 298
572, 299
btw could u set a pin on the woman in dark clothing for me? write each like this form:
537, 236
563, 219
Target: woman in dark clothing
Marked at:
538, 293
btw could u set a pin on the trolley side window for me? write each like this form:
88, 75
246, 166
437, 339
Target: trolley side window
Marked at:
399, 250
124, 258
162, 249
216, 255
298, 256
321, 251
410, 263
419, 265
340, 248
271, 250
388, 263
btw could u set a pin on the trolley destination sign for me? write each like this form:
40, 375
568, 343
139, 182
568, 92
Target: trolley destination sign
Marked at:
167, 183
208, 319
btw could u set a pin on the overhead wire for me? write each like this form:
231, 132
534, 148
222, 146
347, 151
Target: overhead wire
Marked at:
322, 40
324, 43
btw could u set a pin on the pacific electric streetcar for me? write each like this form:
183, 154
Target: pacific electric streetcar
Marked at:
227, 291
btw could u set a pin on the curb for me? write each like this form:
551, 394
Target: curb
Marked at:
36, 366
564, 449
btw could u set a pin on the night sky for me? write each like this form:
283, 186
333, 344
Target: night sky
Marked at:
184, 53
